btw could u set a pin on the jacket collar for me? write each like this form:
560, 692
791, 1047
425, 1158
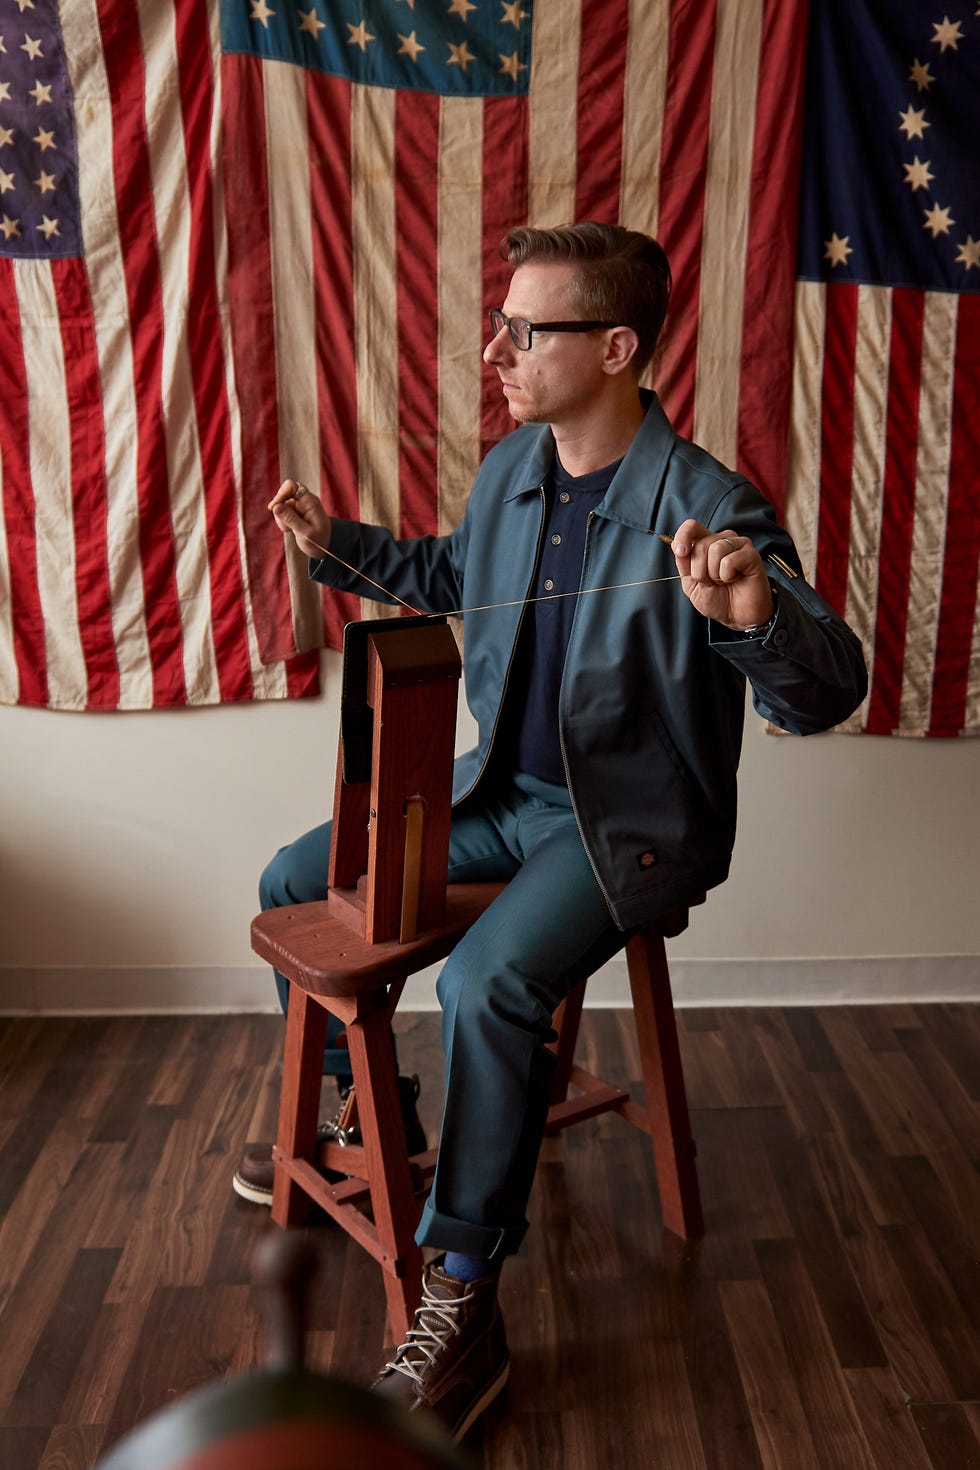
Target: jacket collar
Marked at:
635, 490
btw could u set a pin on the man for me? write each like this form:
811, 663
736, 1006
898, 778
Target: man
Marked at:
603, 783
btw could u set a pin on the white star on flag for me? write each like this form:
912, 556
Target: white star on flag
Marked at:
938, 220
948, 34
837, 250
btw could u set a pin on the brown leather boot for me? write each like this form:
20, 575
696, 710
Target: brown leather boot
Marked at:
454, 1361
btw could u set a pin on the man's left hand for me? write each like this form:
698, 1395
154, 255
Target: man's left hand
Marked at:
723, 575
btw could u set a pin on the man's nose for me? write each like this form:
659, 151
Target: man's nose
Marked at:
496, 349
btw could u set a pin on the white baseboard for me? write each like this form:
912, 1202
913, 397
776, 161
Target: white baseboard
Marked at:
860, 980
855, 980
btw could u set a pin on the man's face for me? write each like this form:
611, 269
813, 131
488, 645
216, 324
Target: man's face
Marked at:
560, 377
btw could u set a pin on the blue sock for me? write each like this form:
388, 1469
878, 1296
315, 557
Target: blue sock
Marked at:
467, 1268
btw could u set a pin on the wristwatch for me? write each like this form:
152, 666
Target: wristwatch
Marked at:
761, 630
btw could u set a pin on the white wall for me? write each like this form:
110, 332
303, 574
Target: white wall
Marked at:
130, 846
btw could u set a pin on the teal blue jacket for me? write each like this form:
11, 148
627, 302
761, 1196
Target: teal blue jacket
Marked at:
653, 694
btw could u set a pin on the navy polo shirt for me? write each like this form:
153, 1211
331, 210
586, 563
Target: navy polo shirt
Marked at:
532, 713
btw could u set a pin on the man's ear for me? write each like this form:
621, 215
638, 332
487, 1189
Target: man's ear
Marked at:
621, 347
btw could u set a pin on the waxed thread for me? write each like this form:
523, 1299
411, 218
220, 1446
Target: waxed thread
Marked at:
490, 606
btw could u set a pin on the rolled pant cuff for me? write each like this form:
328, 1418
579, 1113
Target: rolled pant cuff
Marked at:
488, 1242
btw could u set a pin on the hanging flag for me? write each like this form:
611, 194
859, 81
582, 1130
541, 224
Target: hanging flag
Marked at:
374, 155
883, 479
123, 577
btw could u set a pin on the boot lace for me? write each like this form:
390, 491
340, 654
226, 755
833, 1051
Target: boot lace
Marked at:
335, 1132
343, 1129
435, 1324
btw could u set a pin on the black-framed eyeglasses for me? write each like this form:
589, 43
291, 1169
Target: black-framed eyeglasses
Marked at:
522, 331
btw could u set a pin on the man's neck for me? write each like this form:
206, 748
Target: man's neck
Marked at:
591, 444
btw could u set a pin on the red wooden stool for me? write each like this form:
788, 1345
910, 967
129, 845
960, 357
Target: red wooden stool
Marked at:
389, 913
330, 969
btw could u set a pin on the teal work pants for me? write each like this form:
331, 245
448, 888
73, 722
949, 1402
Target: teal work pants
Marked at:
499, 988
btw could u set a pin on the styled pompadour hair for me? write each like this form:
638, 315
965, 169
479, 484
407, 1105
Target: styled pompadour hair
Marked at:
621, 275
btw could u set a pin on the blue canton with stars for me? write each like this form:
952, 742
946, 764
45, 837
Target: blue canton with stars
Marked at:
39, 208
891, 167
455, 48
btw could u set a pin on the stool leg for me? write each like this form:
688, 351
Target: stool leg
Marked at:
663, 1078
566, 1023
393, 1202
299, 1100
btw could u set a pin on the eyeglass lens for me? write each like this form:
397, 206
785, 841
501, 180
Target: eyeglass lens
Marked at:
519, 329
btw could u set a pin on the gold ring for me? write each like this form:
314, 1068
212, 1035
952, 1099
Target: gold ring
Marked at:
729, 542
301, 489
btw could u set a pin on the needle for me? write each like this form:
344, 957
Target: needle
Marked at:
777, 561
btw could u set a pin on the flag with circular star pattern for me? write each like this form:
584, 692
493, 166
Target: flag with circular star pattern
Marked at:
883, 475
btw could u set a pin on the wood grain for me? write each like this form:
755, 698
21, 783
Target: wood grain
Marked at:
827, 1321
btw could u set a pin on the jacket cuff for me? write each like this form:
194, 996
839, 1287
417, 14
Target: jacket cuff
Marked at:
763, 633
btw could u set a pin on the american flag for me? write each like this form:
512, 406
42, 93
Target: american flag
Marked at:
289, 219
369, 218
124, 581
885, 466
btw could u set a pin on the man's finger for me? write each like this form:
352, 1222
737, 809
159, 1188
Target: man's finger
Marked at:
686, 536
288, 491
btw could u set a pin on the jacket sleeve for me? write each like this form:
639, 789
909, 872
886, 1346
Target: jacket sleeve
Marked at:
424, 571
808, 672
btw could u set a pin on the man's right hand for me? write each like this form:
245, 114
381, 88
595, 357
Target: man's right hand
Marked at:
298, 511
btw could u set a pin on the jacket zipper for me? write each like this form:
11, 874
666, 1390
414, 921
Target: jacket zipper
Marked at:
510, 663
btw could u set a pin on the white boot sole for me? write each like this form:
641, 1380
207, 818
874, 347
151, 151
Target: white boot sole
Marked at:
249, 1192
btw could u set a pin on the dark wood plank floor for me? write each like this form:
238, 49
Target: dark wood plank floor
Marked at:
827, 1319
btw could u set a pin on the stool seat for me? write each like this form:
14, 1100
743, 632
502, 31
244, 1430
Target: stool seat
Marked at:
331, 968
321, 954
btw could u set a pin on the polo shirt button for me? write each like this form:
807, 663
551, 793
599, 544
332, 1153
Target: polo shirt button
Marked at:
549, 585
556, 539
564, 497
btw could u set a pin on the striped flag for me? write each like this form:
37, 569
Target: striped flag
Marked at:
883, 481
371, 165
123, 575
375, 154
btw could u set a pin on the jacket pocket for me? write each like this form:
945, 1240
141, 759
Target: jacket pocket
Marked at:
642, 815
